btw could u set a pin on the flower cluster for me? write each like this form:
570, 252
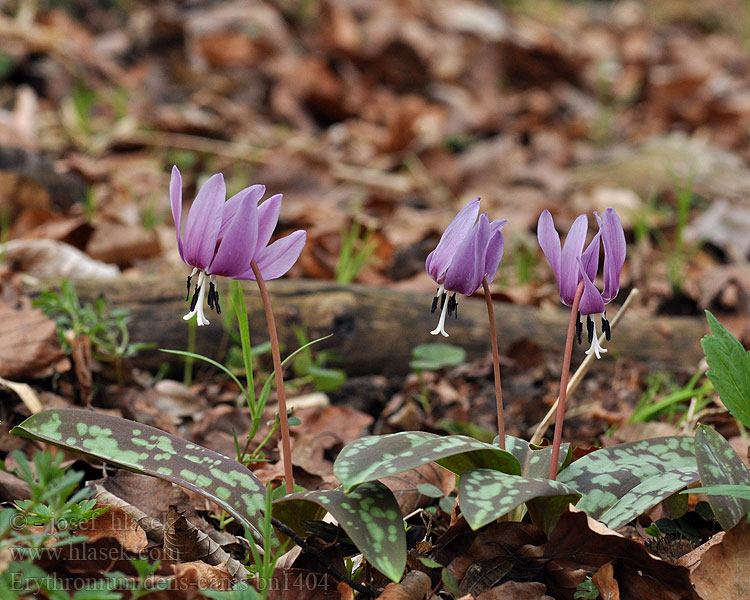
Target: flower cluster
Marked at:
572, 264
469, 250
222, 237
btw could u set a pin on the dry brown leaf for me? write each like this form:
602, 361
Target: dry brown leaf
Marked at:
414, 586
122, 244
404, 486
29, 346
301, 584
723, 571
53, 259
25, 392
517, 590
605, 582
199, 574
117, 524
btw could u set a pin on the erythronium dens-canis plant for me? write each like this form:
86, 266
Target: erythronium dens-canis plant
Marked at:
465, 259
230, 238
575, 270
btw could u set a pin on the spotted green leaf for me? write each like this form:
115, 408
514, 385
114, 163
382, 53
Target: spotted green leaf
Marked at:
622, 482
534, 462
718, 464
729, 369
144, 449
374, 457
370, 516
484, 495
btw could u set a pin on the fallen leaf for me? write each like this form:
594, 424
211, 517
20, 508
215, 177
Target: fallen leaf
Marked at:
25, 392
29, 346
414, 586
116, 524
199, 574
517, 590
605, 582
723, 571
53, 259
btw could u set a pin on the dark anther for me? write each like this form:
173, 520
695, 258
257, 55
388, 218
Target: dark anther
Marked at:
188, 288
606, 328
590, 327
442, 300
211, 292
434, 304
216, 301
194, 300
579, 329
452, 306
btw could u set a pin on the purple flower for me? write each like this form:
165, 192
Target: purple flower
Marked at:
223, 237
572, 263
469, 250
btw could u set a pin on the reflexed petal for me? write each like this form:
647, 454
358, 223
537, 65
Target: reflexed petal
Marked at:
175, 197
204, 222
591, 300
268, 216
231, 205
440, 258
494, 252
590, 256
466, 268
276, 259
571, 252
549, 241
613, 237
237, 247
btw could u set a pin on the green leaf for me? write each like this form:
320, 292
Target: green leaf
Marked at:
736, 491
718, 464
534, 462
431, 357
326, 380
622, 482
429, 490
485, 495
370, 516
374, 457
144, 449
729, 369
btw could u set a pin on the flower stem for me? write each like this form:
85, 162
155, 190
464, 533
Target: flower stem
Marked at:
559, 418
495, 363
286, 444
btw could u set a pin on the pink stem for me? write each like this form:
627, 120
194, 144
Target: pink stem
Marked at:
286, 443
560, 416
495, 363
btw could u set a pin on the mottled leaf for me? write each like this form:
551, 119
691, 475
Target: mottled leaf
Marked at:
534, 462
621, 482
736, 491
729, 369
718, 464
144, 449
374, 457
370, 516
485, 495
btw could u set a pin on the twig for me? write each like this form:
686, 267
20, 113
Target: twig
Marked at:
311, 551
582, 370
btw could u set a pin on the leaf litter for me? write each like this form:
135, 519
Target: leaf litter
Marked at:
387, 115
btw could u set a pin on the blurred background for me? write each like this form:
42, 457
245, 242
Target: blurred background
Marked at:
377, 121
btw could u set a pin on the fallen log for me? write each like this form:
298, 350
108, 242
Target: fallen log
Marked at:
375, 329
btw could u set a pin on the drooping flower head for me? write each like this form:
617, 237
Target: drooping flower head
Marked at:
222, 237
572, 264
469, 250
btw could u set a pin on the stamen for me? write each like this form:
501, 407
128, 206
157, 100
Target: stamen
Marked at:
579, 329
211, 292
216, 302
606, 328
452, 306
194, 301
188, 288
434, 304
590, 327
